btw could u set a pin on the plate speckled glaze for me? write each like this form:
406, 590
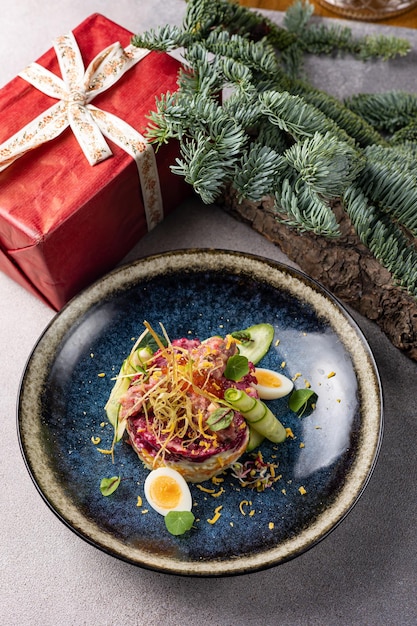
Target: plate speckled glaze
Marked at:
199, 293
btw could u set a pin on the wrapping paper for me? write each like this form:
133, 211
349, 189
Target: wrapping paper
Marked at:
63, 222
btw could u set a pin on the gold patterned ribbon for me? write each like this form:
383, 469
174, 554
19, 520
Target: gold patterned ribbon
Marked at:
90, 125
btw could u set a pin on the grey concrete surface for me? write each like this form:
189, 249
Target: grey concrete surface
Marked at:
363, 574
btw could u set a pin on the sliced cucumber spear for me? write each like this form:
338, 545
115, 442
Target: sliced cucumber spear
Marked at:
255, 439
257, 414
112, 406
254, 341
130, 366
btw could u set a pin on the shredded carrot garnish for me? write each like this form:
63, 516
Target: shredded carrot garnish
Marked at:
242, 504
205, 489
289, 433
216, 515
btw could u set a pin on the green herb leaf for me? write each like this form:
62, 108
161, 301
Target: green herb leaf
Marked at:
109, 485
149, 342
242, 336
178, 522
237, 366
220, 418
302, 399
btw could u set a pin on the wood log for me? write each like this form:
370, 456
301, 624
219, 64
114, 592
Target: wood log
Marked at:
343, 265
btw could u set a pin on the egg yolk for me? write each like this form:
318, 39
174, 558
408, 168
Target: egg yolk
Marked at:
165, 492
267, 379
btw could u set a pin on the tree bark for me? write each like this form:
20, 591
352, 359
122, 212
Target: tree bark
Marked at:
343, 265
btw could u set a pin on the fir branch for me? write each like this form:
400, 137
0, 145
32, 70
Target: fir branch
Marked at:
304, 209
295, 116
258, 56
201, 75
384, 47
326, 165
203, 15
243, 107
355, 126
298, 16
256, 172
406, 134
392, 156
165, 38
383, 238
328, 39
277, 135
408, 149
385, 111
393, 189
271, 136
202, 169
166, 121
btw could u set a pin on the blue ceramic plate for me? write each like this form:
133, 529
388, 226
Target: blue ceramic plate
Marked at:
199, 293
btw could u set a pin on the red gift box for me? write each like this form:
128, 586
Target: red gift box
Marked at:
63, 222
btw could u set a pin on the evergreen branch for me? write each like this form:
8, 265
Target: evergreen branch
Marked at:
271, 136
275, 135
393, 156
201, 167
201, 75
325, 164
355, 126
395, 190
292, 60
298, 16
295, 116
164, 38
383, 238
203, 15
385, 111
167, 121
405, 135
236, 73
304, 209
384, 47
243, 107
255, 173
408, 149
258, 56
326, 39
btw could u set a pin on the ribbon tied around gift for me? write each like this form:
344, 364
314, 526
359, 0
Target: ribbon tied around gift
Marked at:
90, 125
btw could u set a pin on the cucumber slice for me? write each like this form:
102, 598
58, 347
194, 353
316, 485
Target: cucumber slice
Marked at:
255, 341
255, 439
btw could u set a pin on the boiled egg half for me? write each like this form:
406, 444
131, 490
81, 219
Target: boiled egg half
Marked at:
166, 490
271, 385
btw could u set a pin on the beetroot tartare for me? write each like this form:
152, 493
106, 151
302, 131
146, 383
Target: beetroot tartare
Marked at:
170, 409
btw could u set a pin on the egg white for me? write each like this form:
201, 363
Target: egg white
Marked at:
267, 391
184, 502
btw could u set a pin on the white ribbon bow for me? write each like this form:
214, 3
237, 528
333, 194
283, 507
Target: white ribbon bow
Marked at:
90, 125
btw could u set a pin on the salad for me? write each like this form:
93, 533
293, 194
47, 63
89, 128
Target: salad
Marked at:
192, 408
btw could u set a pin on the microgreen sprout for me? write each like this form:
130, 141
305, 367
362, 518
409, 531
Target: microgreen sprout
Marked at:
109, 485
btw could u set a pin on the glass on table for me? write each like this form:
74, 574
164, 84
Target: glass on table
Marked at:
368, 10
